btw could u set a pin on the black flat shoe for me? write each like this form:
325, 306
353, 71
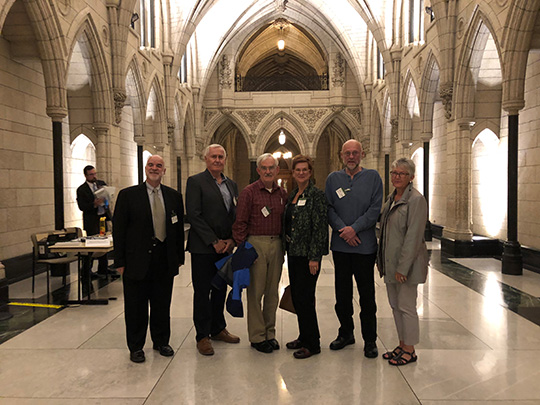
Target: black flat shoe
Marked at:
370, 350
164, 350
341, 342
295, 344
137, 356
304, 353
274, 344
263, 347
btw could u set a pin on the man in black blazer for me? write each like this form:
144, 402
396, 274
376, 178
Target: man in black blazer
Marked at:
93, 209
148, 232
211, 210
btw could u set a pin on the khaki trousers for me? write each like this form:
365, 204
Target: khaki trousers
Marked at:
402, 299
265, 275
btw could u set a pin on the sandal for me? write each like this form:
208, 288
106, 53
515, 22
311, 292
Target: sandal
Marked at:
400, 361
393, 354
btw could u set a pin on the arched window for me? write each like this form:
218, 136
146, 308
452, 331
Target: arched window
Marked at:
182, 73
83, 153
489, 191
148, 23
416, 21
380, 65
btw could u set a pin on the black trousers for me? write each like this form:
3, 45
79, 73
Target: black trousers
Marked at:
303, 285
156, 289
208, 302
361, 267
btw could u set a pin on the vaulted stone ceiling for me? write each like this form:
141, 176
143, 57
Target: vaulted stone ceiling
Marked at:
212, 26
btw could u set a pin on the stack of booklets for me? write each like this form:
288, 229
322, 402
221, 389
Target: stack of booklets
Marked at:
98, 241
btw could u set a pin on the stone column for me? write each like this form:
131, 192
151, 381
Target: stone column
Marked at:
457, 235
512, 259
4, 294
58, 172
428, 234
104, 153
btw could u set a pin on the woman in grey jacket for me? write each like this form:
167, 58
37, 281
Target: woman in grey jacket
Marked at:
402, 258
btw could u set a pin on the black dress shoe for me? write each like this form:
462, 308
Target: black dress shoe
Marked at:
295, 344
98, 276
370, 350
304, 353
137, 356
164, 350
274, 344
263, 346
341, 342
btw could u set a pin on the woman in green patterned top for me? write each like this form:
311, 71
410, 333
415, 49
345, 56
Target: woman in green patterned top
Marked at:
306, 241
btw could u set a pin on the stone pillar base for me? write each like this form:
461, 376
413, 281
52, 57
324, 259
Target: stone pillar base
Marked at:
512, 259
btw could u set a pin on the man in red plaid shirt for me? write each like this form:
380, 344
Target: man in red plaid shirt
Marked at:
258, 220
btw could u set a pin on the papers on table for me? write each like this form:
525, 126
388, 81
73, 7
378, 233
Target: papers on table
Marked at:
98, 241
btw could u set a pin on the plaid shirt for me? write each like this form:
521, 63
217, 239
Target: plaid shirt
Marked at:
250, 219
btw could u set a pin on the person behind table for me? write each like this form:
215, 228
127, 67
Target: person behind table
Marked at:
402, 257
306, 241
354, 197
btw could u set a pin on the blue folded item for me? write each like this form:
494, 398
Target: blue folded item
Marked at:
233, 270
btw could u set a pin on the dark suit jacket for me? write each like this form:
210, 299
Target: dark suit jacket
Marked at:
133, 231
206, 212
85, 201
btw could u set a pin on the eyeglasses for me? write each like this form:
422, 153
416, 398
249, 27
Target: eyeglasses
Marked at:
399, 174
353, 153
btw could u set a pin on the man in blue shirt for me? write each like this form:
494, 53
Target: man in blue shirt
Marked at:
354, 197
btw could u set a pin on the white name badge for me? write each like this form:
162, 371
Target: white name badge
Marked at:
174, 219
265, 211
302, 202
340, 193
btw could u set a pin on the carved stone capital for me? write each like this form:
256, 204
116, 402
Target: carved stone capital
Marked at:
199, 148
336, 109
226, 111
394, 122
253, 138
119, 100
446, 92
170, 129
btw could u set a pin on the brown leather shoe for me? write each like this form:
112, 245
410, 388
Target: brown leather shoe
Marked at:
225, 336
205, 347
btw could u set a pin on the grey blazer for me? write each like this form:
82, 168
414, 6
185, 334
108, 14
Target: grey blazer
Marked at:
402, 247
206, 212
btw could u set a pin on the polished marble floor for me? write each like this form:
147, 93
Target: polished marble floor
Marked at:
479, 345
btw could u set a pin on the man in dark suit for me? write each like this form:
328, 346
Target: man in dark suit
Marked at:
148, 232
93, 209
211, 211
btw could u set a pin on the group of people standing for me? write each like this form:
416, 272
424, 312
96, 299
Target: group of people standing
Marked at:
274, 223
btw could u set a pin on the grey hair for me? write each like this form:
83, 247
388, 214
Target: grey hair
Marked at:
214, 145
406, 163
265, 156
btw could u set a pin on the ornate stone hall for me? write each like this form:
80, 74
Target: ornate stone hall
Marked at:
453, 85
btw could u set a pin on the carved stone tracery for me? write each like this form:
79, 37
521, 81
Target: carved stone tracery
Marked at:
252, 117
311, 116
356, 113
339, 71
225, 76
208, 115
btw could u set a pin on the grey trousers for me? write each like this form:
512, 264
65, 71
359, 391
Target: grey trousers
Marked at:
402, 299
